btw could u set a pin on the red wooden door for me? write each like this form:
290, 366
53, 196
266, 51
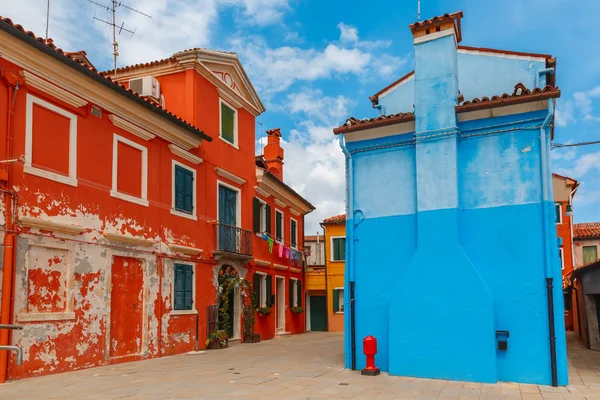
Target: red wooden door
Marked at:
126, 306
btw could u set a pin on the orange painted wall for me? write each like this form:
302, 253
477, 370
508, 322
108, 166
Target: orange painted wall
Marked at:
335, 276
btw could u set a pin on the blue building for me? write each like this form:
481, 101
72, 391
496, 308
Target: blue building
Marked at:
452, 262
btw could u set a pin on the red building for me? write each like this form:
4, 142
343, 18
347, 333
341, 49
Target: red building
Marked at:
126, 198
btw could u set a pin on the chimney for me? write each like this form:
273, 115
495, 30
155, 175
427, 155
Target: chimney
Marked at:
274, 153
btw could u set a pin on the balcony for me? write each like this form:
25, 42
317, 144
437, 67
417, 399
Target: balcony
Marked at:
232, 242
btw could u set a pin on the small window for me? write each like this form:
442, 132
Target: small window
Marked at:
562, 260
338, 249
294, 233
129, 171
558, 213
338, 300
262, 216
295, 292
228, 123
590, 254
279, 226
183, 287
262, 289
183, 188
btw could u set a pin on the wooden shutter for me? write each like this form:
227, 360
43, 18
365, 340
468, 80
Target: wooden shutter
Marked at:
337, 249
278, 225
256, 288
184, 189
336, 300
227, 123
269, 300
294, 230
558, 212
256, 214
299, 288
291, 292
178, 287
268, 211
188, 293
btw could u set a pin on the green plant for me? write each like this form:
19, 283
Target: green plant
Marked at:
297, 310
219, 336
264, 310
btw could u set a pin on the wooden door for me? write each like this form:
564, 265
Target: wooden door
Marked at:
280, 307
126, 306
318, 313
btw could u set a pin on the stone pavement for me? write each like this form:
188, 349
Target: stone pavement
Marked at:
306, 366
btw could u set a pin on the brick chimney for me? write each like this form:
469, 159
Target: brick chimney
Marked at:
274, 153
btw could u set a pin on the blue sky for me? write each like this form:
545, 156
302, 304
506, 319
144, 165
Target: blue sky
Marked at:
314, 63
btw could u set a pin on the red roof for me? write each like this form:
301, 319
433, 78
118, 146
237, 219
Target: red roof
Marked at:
313, 238
354, 124
586, 230
74, 57
439, 20
337, 219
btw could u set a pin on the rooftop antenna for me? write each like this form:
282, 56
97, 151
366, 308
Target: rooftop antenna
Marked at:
419, 10
112, 8
47, 19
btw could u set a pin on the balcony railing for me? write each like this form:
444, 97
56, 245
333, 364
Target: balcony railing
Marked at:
232, 239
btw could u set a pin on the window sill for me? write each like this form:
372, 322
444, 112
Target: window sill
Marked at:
34, 317
235, 146
338, 261
183, 312
184, 214
129, 198
339, 312
67, 180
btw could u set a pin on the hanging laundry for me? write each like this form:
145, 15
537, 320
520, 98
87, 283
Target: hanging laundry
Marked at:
280, 250
291, 254
264, 237
271, 241
286, 253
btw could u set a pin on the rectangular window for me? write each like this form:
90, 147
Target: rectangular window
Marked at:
590, 254
558, 213
228, 123
562, 261
279, 226
338, 300
294, 233
262, 217
295, 292
262, 289
183, 288
129, 171
184, 190
338, 249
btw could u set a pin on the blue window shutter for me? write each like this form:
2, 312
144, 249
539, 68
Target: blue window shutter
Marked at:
184, 189
188, 296
178, 287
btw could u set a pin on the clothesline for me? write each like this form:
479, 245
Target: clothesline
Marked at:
294, 255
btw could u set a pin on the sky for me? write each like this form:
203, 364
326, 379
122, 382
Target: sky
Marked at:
316, 62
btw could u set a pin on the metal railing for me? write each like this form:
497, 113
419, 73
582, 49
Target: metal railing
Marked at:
233, 239
16, 349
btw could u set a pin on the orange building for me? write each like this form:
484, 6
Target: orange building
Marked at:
126, 198
335, 260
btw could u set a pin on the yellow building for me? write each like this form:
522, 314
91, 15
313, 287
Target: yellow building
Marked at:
325, 284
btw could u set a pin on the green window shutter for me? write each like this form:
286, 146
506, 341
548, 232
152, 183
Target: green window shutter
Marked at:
342, 248
227, 123
184, 189
336, 300
590, 254
268, 211
256, 288
293, 228
299, 288
269, 300
339, 249
278, 225
256, 214
188, 293
558, 211
178, 287
291, 292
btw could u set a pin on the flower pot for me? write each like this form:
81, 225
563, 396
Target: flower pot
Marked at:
256, 338
214, 345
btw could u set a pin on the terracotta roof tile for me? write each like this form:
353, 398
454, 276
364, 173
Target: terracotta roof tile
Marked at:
436, 20
586, 230
140, 65
519, 91
50, 44
336, 219
313, 238
354, 124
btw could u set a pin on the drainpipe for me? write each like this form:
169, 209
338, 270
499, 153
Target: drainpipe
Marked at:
379, 107
540, 72
349, 247
12, 81
547, 236
326, 277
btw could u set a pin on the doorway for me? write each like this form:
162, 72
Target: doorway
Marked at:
228, 219
280, 305
126, 307
231, 311
318, 313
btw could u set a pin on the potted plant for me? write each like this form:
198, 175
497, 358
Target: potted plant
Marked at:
264, 311
297, 310
217, 340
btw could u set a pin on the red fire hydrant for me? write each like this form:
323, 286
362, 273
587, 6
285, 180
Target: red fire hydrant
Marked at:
370, 349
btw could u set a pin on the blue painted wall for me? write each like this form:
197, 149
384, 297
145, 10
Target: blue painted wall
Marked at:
449, 239
479, 75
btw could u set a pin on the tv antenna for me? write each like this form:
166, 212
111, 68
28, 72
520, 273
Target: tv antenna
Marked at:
112, 8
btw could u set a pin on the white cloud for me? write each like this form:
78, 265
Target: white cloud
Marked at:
564, 113
348, 33
584, 103
327, 110
589, 162
261, 12
293, 37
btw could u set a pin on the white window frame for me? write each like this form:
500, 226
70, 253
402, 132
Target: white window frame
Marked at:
263, 289
172, 272
340, 303
28, 168
238, 200
560, 221
263, 217
174, 211
562, 258
282, 226
235, 124
297, 239
295, 293
332, 252
143, 201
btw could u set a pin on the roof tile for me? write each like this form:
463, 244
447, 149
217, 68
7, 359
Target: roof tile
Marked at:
336, 219
586, 230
